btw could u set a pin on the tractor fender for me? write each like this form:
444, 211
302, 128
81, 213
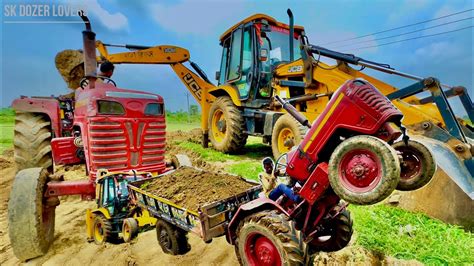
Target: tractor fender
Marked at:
227, 90
47, 106
247, 209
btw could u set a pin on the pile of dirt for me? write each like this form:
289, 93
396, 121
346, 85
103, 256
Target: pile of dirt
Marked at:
4, 163
191, 188
70, 64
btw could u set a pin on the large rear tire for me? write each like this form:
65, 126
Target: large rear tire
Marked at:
32, 141
226, 126
30, 216
418, 166
336, 234
269, 238
129, 229
102, 230
286, 133
172, 240
364, 170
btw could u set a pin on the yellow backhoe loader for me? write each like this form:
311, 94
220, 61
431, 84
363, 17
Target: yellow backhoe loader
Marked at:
262, 58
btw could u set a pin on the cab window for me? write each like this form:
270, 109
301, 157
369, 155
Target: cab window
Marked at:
235, 56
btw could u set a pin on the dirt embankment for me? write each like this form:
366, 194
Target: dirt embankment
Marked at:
191, 188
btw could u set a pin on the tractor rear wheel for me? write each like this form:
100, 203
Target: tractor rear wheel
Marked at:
32, 141
102, 230
335, 235
31, 216
287, 133
129, 229
226, 126
364, 170
172, 240
418, 166
269, 238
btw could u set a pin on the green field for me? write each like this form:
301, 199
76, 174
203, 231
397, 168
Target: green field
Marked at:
379, 228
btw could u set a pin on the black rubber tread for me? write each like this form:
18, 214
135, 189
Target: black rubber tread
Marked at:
390, 170
287, 121
32, 141
427, 161
279, 229
340, 231
133, 225
235, 137
178, 238
106, 229
29, 236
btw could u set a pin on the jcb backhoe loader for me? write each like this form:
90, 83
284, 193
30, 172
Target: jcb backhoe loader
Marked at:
262, 58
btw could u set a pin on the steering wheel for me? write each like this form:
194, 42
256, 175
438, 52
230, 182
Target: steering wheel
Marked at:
280, 168
108, 80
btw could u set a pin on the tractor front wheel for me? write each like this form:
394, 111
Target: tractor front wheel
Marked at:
31, 216
226, 126
129, 229
287, 133
172, 240
364, 170
269, 238
417, 167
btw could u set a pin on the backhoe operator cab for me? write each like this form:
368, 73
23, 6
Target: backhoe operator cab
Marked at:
252, 49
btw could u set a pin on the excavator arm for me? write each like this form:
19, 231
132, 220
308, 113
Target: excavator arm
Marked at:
196, 81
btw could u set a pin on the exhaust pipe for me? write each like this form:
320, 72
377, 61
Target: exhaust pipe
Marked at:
90, 59
292, 32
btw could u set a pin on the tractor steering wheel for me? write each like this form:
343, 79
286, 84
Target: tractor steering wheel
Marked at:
280, 168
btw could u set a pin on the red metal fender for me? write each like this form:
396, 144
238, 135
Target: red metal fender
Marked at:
47, 106
247, 209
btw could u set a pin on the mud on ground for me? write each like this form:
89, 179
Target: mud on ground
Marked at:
191, 188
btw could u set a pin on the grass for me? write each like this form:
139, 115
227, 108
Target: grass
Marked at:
249, 169
7, 121
383, 229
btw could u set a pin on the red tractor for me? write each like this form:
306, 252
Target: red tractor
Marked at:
103, 126
349, 153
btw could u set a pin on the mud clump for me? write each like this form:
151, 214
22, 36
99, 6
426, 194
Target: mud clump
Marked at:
4, 163
70, 64
191, 187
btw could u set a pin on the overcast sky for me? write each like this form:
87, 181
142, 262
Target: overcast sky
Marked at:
28, 49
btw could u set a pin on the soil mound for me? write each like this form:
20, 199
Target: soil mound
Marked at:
191, 188
70, 64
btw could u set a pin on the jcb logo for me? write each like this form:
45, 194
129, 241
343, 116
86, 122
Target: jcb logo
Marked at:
170, 50
294, 69
192, 84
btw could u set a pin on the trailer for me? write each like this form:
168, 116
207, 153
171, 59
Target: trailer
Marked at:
209, 221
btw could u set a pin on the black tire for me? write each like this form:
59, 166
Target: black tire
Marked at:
32, 141
172, 240
230, 138
286, 123
129, 229
30, 217
276, 228
102, 230
418, 166
364, 170
339, 232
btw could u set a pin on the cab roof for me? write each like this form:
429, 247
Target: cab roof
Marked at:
259, 17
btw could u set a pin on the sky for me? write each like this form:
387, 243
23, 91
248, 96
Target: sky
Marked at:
28, 49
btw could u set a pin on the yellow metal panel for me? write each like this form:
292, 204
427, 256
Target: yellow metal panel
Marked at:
89, 224
145, 219
231, 91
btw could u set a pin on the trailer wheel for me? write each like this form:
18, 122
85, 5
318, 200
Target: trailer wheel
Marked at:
172, 240
269, 238
364, 170
418, 166
336, 234
31, 216
287, 133
226, 126
32, 141
102, 229
129, 229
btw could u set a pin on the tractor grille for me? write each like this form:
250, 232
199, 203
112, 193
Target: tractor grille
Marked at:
127, 144
374, 99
